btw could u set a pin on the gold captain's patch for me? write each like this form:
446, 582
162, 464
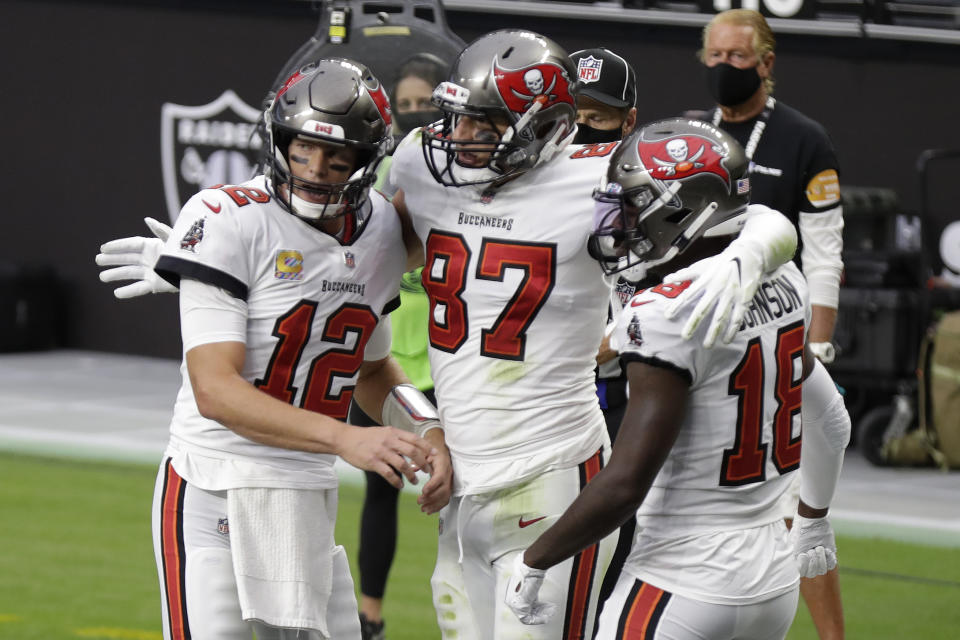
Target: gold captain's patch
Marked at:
824, 189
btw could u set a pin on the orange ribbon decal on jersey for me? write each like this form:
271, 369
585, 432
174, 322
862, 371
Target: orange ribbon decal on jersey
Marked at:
174, 560
584, 568
642, 612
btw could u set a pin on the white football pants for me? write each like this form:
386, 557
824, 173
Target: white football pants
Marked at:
637, 609
479, 538
198, 589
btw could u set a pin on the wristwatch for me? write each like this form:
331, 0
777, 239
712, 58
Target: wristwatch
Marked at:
823, 351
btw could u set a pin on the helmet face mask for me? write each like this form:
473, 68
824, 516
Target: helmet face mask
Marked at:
332, 103
667, 185
515, 82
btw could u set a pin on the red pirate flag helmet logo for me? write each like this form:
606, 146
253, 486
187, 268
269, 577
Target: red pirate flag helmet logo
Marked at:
545, 83
683, 156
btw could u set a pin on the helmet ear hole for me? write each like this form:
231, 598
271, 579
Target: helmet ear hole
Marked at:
677, 216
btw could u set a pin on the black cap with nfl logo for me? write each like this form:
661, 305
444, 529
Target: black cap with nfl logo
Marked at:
606, 77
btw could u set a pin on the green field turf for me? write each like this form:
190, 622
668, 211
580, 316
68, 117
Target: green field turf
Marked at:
76, 562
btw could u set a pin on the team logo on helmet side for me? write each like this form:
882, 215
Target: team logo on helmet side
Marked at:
211, 144
545, 83
682, 156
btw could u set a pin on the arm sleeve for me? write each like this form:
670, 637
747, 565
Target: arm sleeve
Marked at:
822, 236
826, 432
378, 346
769, 234
210, 314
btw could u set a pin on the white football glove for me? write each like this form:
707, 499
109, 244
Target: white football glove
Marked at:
728, 281
523, 587
814, 546
134, 259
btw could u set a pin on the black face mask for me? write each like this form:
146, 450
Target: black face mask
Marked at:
731, 86
407, 122
589, 135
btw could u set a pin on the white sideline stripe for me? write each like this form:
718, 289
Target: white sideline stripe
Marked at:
134, 447
872, 517
107, 446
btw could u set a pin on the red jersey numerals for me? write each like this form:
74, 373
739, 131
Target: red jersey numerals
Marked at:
293, 330
507, 338
745, 462
444, 289
243, 195
596, 150
445, 278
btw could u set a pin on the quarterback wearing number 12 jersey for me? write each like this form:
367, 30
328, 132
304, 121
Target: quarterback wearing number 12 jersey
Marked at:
313, 300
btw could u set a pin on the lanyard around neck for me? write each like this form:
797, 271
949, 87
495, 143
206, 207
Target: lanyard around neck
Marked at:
758, 126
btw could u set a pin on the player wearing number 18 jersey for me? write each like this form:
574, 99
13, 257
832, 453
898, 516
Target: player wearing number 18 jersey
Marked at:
711, 437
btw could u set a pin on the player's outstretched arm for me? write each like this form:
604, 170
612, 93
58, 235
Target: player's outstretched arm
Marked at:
730, 279
133, 259
658, 401
826, 432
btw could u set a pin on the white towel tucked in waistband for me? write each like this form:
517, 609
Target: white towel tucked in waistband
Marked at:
282, 546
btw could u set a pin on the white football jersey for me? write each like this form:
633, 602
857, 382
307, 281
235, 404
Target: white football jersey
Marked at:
313, 301
737, 448
518, 308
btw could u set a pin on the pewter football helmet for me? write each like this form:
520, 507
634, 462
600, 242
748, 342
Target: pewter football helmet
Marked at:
513, 78
668, 183
335, 101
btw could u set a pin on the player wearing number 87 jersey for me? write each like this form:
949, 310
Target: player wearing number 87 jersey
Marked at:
711, 437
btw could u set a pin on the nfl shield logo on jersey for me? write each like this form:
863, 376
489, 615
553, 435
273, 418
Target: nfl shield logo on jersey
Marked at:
625, 291
223, 526
349, 259
588, 69
202, 146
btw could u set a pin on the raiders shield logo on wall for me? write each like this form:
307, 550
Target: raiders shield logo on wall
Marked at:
215, 143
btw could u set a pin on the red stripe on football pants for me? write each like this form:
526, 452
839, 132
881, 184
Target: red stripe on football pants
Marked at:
584, 567
174, 560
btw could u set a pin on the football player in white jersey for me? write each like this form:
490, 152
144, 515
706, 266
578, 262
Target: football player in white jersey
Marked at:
285, 282
711, 437
501, 204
